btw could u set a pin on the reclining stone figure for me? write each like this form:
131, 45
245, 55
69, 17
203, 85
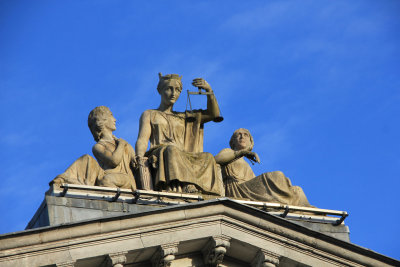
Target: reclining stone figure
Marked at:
241, 182
115, 157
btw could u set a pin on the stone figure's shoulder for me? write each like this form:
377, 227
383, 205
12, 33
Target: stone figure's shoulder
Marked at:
226, 150
130, 147
130, 150
98, 146
179, 114
147, 114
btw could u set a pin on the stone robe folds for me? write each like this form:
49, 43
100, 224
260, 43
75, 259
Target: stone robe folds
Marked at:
240, 182
86, 171
176, 152
122, 175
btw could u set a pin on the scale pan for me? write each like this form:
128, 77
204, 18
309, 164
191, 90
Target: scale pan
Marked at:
218, 119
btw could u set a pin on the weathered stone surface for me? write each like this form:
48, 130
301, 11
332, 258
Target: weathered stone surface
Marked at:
84, 202
66, 264
89, 243
63, 210
341, 231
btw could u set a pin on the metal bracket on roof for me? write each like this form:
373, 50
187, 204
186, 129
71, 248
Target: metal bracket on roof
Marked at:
338, 222
137, 196
64, 192
116, 195
283, 215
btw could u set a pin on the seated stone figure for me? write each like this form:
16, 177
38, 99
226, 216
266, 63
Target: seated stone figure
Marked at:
240, 181
176, 143
115, 157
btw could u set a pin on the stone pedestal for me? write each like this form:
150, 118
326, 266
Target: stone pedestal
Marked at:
81, 203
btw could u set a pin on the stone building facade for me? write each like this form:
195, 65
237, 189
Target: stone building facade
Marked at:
215, 232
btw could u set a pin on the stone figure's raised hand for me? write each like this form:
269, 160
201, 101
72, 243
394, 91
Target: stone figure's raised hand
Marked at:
202, 84
253, 156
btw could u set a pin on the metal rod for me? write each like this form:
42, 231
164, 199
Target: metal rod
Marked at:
64, 192
283, 215
96, 188
137, 196
188, 101
338, 222
292, 208
200, 93
165, 194
116, 195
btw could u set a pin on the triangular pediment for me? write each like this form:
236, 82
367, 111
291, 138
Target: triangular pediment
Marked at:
187, 233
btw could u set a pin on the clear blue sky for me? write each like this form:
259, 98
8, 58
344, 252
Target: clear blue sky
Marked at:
316, 82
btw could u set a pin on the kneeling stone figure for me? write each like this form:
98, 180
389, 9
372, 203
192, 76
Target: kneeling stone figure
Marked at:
241, 182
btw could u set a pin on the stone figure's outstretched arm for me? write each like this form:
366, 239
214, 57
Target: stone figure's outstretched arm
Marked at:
144, 134
133, 162
212, 111
141, 147
112, 159
227, 155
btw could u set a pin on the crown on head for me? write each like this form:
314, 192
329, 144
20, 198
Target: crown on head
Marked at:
169, 77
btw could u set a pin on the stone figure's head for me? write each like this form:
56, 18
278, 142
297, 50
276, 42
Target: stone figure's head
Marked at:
169, 87
241, 139
99, 120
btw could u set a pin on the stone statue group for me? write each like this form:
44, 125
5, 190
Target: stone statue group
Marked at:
175, 161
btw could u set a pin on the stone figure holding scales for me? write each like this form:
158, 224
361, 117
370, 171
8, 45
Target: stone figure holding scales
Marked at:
176, 142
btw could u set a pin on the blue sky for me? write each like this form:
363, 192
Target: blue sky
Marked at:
316, 82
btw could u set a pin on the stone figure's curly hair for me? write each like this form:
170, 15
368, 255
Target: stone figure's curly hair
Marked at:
163, 80
96, 120
234, 134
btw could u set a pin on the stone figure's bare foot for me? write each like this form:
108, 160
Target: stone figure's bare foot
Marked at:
174, 187
190, 188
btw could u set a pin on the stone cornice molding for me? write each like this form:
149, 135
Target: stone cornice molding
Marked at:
219, 217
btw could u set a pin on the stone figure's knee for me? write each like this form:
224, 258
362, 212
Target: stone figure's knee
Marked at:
278, 173
209, 156
298, 189
86, 156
